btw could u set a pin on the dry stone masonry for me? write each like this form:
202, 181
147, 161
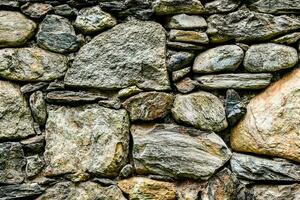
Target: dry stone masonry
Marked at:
149, 100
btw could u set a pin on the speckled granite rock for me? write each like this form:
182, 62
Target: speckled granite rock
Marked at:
20, 191
184, 21
276, 192
36, 10
167, 7
188, 36
221, 6
38, 107
276, 7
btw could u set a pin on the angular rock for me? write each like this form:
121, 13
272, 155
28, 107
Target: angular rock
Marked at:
276, 192
221, 6
260, 27
270, 57
65, 10
179, 74
127, 92
34, 165
114, 103
188, 36
23, 191
189, 190
93, 20
234, 107
57, 34
264, 169
33, 145
235, 81
195, 110
32, 87
56, 85
16, 121
276, 7
179, 60
186, 85
82, 191
36, 10
271, 125
218, 59
73, 97
147, 106
144, 188
9, 3
185, 46
15, 29
177, 151
126, 171
171, 7
84, 139
183, 21
31, 64
288, 39
12, 162
132, 53
38, 107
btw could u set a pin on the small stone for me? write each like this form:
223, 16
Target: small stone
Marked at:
65, 10
31, 64
32, 87
221, 6
186, 85
264, 169
270, 57
219, 59
93, 20
276, 7
38, 107
36, 10
34, 165
185, 46
189, 190
33, 145
179, 74
171, 7
115, 5
9, 4
235, 81
15, 29
73, 97
12, 162
22, 191
114, 103
179, 60
176, 151
147, 106
144, 188
82, 191
183, 21
57, 34
104, 181
195, 109
126, 171
287, 39
16, 121
234, 107
56, 85
188, 36
127, 92
37, 128
276, 192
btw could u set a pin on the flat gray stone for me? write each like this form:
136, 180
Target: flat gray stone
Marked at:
276, 7
36, 10
34, 165
179, 60
20, 191
38, 107
177, 151
185, 46
66, 96
132, 53
184, 21
276, 192
221, 6
188, 36
288, 39
171, 7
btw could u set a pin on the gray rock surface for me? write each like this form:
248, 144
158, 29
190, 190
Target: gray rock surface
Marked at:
32, 87
16, 121
23, 191
179, 74
34, 165
57, 34
132, 53
147, 106
185, 46
188, 36
195, 109
33, 145
93, 19
218, 59
276, 192
177, 151
73, 97
276, 7
186, 85
184, 21
288, 39
12, 163
171, 7
127, 92
234, 107
84, 139
235, 81
9, 3
36, 10
270, 57
264, 169
260, 27
221, 6
31, 64
179, 60
38, 107
65, 10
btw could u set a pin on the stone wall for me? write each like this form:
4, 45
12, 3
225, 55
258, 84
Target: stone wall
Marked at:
149, 100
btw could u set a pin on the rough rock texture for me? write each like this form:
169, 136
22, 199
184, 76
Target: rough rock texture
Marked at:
93, 20
288, 39
38, 107
186, 85
276, 192
271, 125
16, 121
131, 53
190, 190
270, 57
179, 60
34, 165
144, 188
166, 7
188, 36
259, 27
84, 139
195, 109
36, 10
184, 21
22, 191
31, 64
234, 107
15, 29
73, 97
264, 169
218, 59
57, 34
33, 145
221, 6
276, 7
185, 46
235, 81
127, 92
148, 106
177, 75
177, 151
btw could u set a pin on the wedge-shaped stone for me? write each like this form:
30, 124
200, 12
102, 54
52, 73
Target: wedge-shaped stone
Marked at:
275, 192
16, 121
22, 191
84, 139
271, 125
15, 29
31, 64
276, 7
171, 7
221, 6
132, 53
177, 151
235, 81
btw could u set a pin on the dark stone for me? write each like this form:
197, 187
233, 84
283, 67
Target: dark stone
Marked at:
33, 145
65, 10
36, 10
32, 87
18, 192
179, 60
234, 107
